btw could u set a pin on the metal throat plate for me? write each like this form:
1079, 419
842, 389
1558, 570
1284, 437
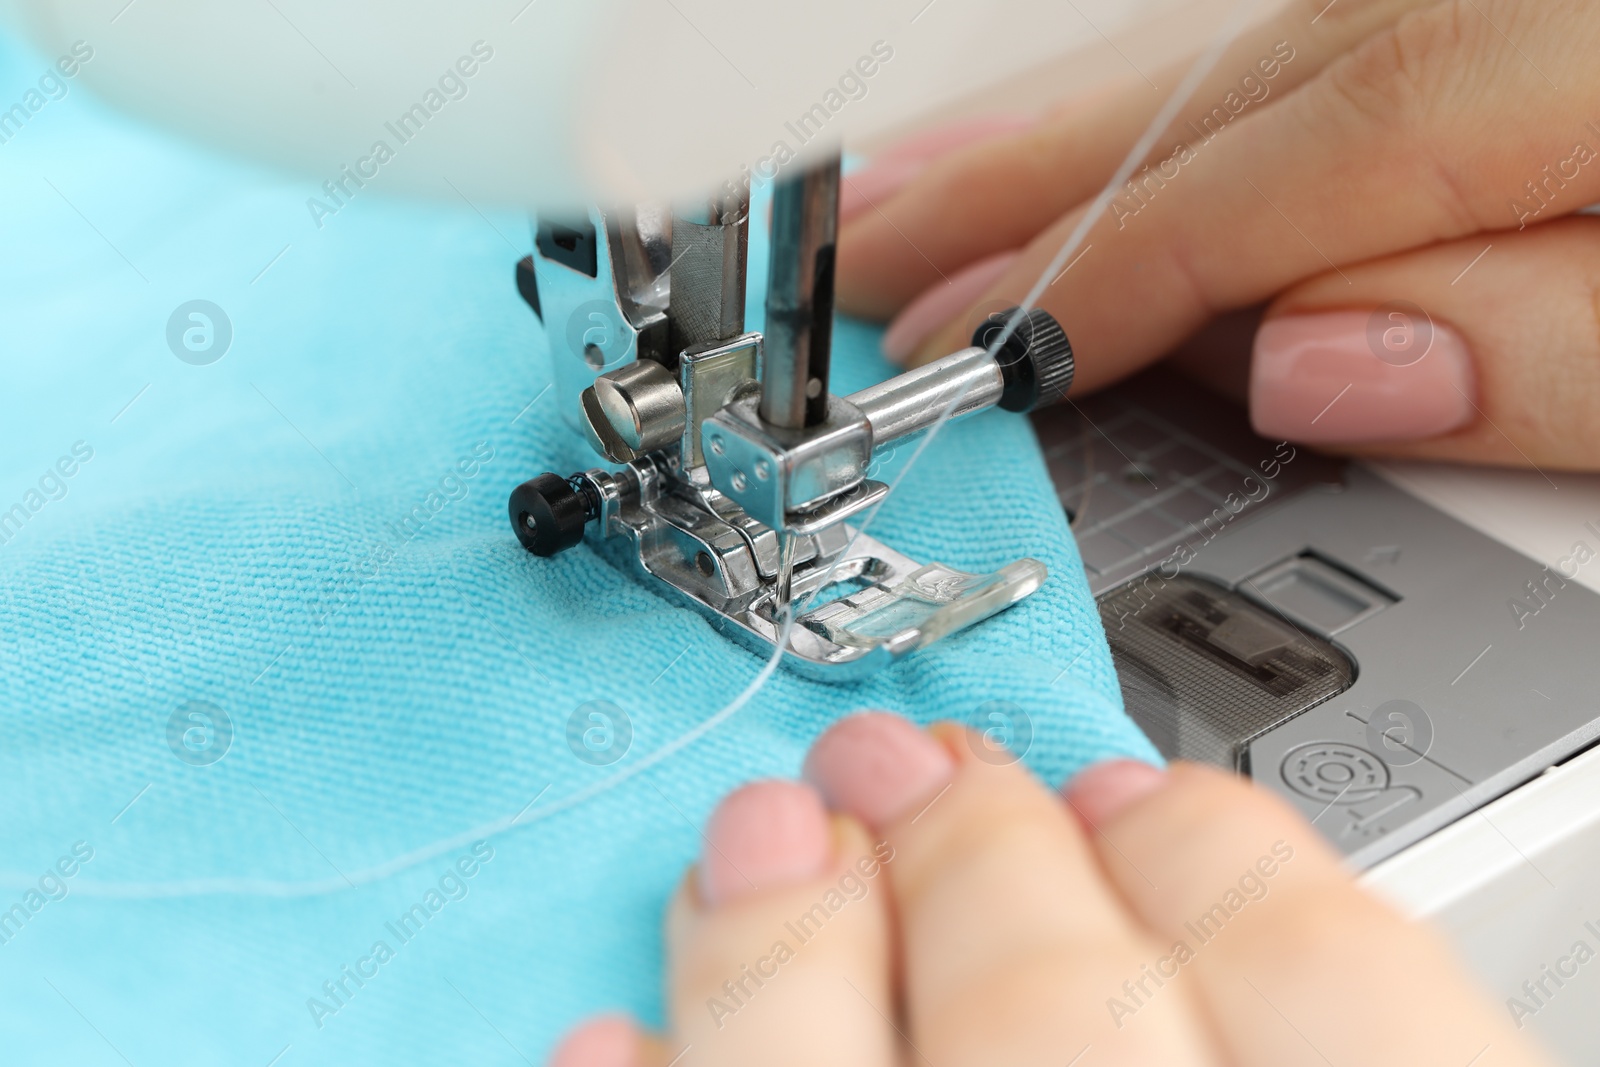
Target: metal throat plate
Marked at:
1303, 621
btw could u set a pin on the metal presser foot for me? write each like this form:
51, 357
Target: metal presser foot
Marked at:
738, 472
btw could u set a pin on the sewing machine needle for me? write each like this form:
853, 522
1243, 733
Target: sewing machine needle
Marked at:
785, 574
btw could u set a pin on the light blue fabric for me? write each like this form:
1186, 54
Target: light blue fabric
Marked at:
236, 538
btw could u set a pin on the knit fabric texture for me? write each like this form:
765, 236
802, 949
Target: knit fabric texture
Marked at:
305, 757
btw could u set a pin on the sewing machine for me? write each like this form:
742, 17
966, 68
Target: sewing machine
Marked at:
1341, 632
740, 471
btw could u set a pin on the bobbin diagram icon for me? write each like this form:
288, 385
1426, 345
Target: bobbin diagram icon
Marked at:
1335, 772
1353, 780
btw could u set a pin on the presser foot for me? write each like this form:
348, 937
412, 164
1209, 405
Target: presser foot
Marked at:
744, 481
889, 606
861, 605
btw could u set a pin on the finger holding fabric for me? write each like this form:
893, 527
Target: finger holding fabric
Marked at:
778, 943
1140, 916
1009, 935
902, 237
1402, 144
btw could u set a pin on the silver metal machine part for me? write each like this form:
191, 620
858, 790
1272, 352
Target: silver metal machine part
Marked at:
805, 225
710, 247
739, 471
1303, 621
599, 284
633, 410
775, 472
962, 382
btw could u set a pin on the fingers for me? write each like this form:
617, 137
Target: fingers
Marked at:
914, 218
1195, 921
1440, 354
779, 945
1009, 937
1397, 145
609, 1041
778, 948
1264, 923
898, 166
928, 313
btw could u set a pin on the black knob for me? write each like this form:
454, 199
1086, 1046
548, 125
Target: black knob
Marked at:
549, 514
1036, 359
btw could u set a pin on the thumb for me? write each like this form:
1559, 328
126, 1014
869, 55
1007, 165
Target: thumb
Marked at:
1484, 350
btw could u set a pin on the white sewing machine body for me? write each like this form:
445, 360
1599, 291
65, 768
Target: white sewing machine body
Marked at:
1515, 883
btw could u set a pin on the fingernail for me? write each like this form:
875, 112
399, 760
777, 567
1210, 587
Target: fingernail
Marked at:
897, 165
1348, 377
609, 1041
764, 836
941, 302
878, 767
1099, 792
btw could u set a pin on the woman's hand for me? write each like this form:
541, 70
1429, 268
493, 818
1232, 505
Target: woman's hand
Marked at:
1398, 178
916, 905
